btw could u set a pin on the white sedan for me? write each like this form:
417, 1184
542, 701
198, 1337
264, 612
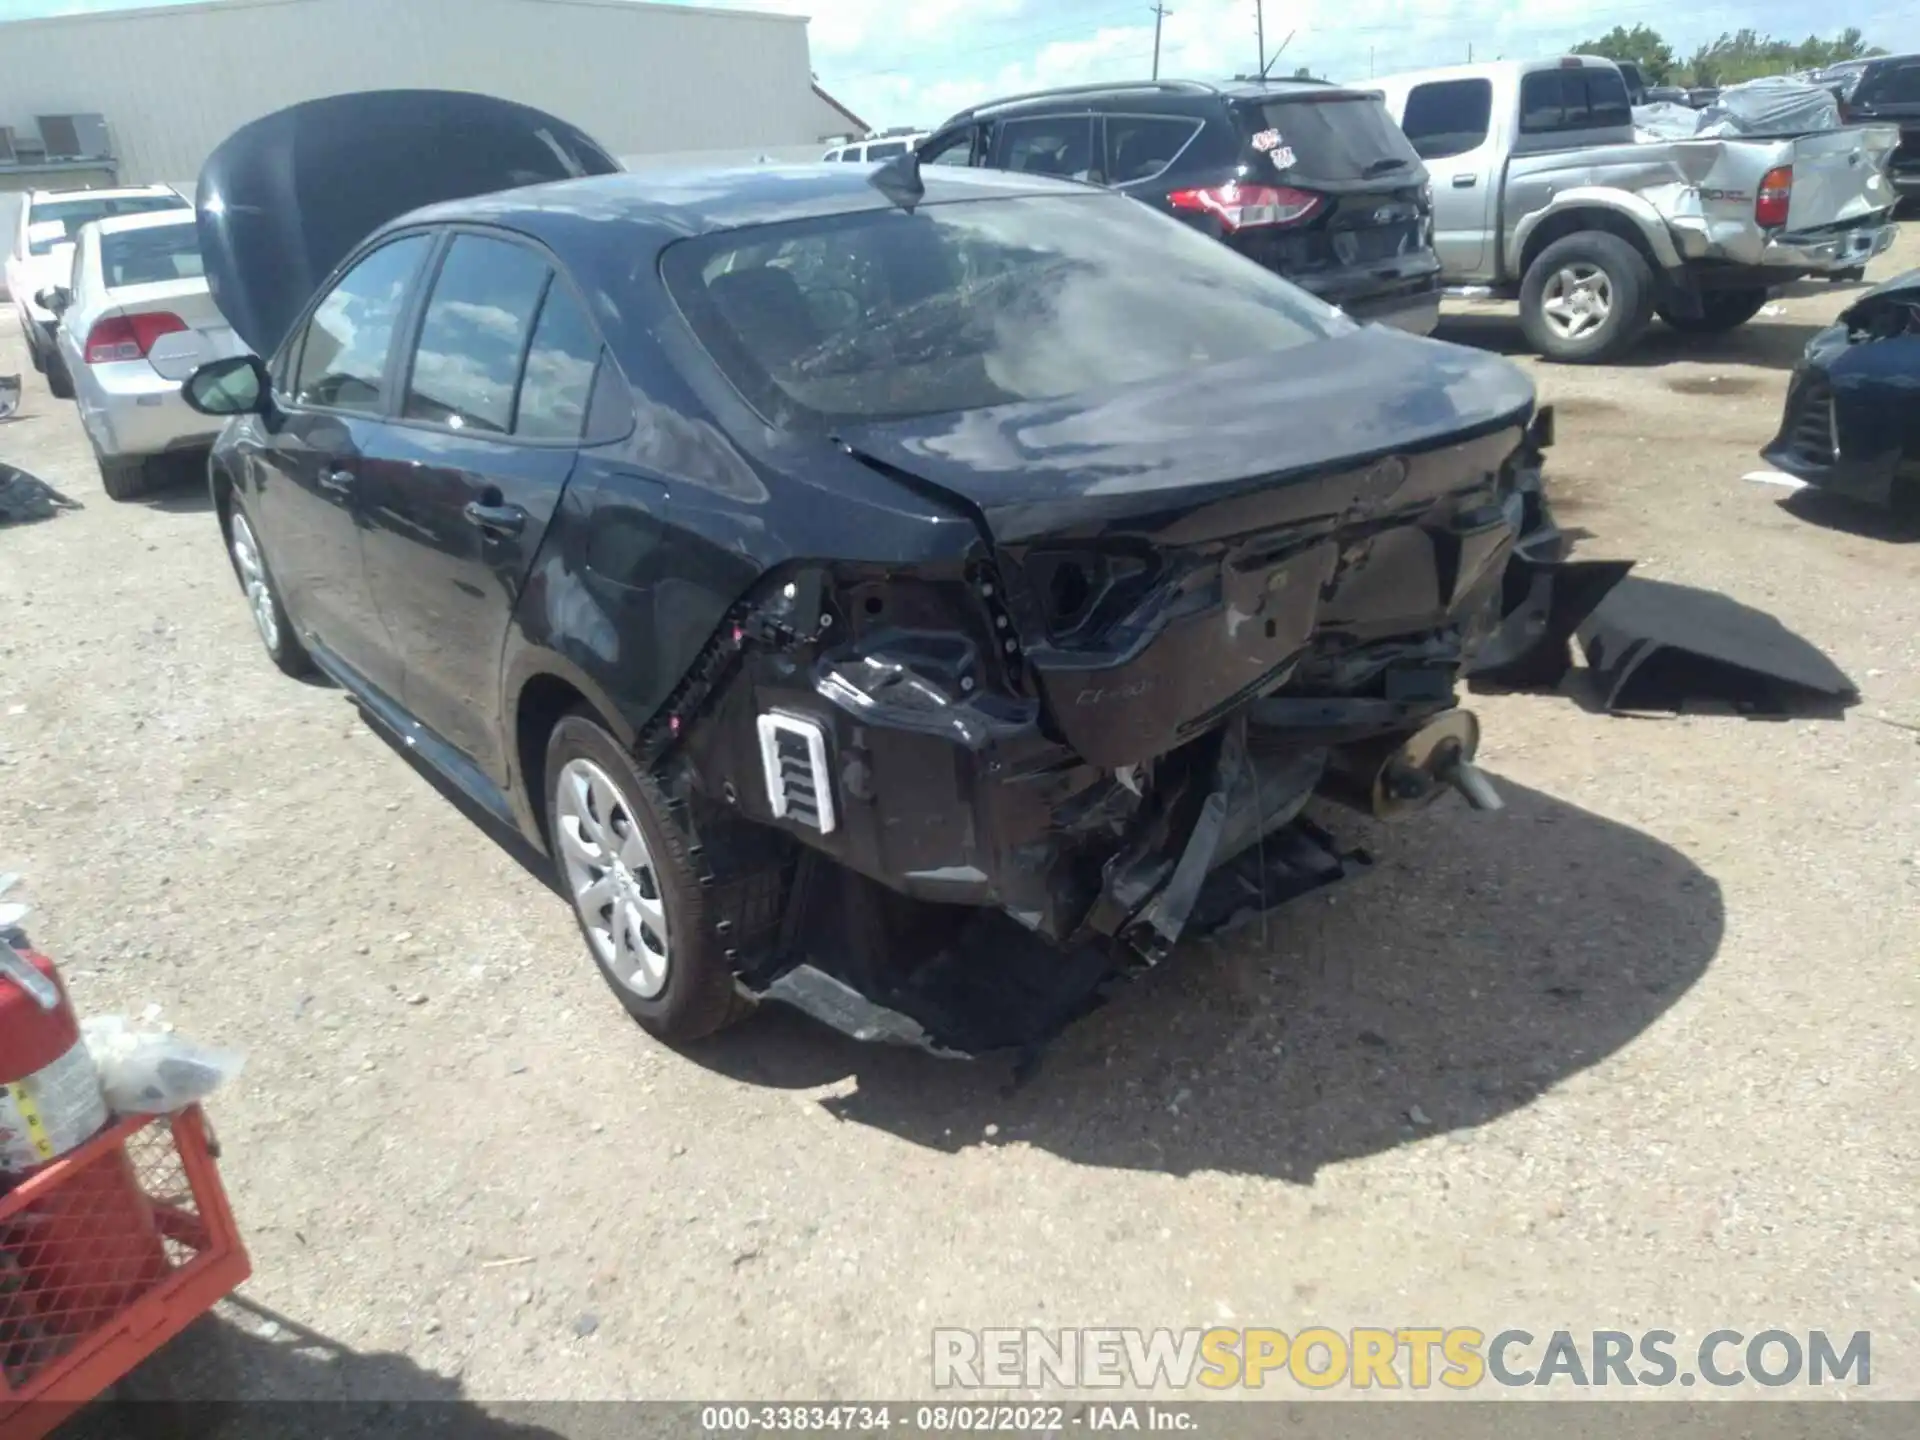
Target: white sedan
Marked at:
137, 321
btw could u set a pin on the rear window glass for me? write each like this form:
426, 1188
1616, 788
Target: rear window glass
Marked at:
882, 314
1338, 139
81, 209
1590, 98
151, 257
1448, 117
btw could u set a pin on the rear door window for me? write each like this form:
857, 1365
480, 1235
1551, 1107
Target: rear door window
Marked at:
1589, 98
1448, 117
1061, 145
343, 363
562, 357
1330, 138
467, 361
1140, 147
1890, 85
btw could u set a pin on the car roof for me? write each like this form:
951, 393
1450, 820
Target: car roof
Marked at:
104, 192
1487, 69
1276, 88
697, 202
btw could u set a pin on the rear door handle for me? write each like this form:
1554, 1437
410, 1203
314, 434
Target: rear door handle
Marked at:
497, 519
1465, 182
338, 481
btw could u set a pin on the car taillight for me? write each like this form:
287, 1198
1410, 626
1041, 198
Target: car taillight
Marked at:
1776, 193
129, 337
1241, 207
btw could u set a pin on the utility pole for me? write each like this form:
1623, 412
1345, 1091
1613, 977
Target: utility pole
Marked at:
1260, 36
1469, 52
1160, 13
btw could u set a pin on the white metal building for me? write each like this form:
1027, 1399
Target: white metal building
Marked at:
173, 81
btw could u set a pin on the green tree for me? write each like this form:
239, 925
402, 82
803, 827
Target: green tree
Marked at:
1642, 45
1748, 55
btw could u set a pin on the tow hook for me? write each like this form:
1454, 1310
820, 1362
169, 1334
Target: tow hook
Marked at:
1393, 780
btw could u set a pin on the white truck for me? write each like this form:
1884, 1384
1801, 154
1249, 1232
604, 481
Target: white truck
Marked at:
1541, 194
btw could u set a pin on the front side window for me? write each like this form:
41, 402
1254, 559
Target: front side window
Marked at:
150, 257
954, 149
1047, 145
1448, 117
474, 331
961, 306
79, 211
343, 363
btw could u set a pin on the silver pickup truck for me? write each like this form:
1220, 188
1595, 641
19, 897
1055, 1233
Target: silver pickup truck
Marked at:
1541, 194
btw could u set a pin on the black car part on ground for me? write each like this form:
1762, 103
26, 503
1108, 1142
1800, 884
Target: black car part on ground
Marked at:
961, 710
1852, 419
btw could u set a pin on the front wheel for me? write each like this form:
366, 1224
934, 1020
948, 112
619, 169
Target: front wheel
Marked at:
1587, 299
1720, 311
269, 615
639, 901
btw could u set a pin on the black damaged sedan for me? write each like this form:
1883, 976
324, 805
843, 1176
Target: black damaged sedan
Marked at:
922, 598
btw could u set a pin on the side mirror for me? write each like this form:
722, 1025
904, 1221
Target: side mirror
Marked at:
238, 385
54, 299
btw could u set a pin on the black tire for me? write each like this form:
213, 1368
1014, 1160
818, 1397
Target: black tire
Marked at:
34, 356
1630, 310
698, 995
1720, 311
124, 477
59, 382
283, 646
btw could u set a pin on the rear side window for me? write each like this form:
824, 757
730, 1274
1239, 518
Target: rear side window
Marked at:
1448, 117
150, 257
1889, 85
1059, 145
561, 359
1590, 98
344, 360
1139, 147
474, 332
1340, 138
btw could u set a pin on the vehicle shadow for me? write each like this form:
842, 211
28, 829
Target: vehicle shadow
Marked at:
1487, 958
1770, 344
1851, 517
248, 1371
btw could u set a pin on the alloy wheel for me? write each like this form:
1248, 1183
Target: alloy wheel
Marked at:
253, 579
611, 876
1577, 300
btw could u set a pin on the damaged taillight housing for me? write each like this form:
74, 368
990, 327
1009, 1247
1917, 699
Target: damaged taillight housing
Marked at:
1775, 198
1079, 592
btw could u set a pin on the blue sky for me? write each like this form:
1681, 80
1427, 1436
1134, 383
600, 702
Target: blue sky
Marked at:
915, 61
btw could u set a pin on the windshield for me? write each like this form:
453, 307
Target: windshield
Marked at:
150, 257
882, 314
82, 208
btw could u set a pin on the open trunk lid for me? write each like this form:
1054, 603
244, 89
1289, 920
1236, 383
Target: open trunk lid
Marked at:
286, 197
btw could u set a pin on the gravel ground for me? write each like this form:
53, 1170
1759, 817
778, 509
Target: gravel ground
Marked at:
1637, 1052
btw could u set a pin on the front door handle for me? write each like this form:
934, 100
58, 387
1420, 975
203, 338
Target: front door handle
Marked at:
338, 481
496, 519
1465, 182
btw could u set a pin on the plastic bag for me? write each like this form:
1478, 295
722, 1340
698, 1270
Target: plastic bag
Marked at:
1772, 106
1664, 120
148, 1072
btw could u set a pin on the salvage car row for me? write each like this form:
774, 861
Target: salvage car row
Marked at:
910, 593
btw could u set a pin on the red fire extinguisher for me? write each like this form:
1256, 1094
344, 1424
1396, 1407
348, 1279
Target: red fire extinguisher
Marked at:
50, 1096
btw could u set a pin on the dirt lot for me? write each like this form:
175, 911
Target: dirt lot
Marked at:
1639, 1051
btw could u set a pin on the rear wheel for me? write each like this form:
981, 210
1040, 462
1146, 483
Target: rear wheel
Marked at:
635, 891
124, 477
1587, 299
59, 382
1720, 311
